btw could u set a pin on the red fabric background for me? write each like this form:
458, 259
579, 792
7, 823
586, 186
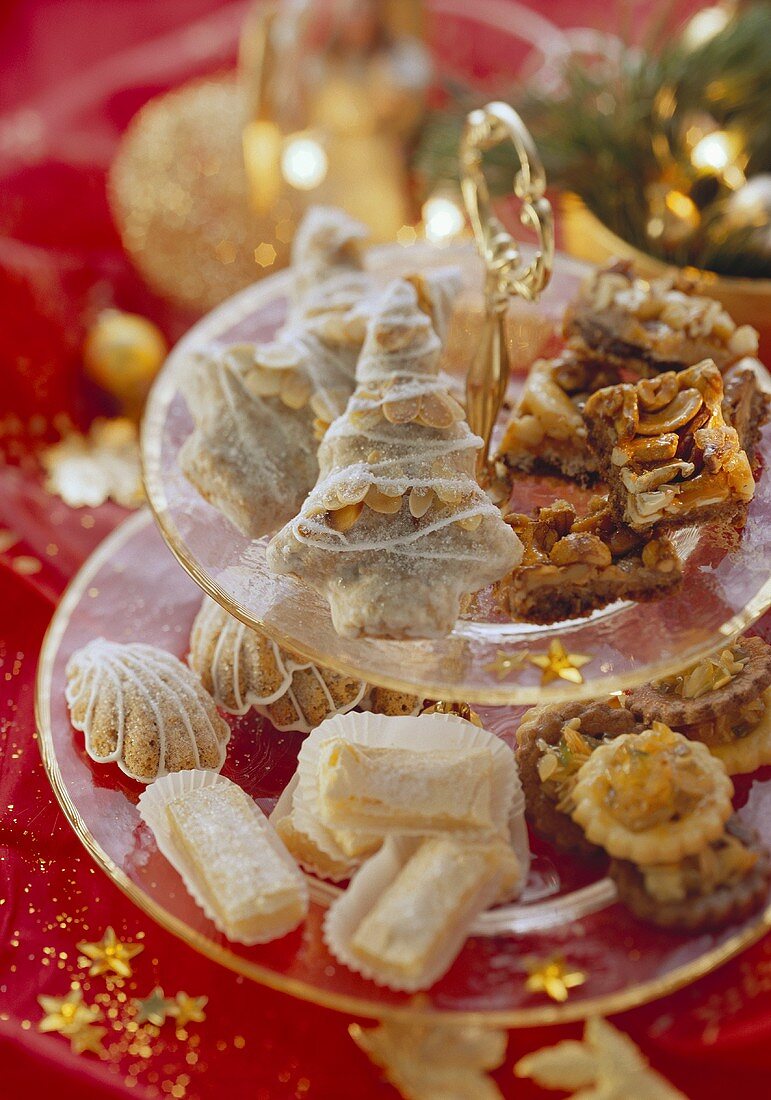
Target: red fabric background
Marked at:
74, 72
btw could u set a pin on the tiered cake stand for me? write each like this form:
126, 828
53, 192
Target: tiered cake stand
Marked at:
132, 589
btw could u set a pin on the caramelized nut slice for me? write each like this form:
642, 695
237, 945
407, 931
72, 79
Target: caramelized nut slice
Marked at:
656, 393
580, 547
674, 415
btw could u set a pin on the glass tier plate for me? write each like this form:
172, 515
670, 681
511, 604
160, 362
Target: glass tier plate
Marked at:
726, 585
133, 590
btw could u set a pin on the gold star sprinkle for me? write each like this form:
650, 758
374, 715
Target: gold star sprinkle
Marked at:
505, 663
110, 956
552, 977
189, 1010
558, 663
154, 1008
66, 1014
605, 1063
89, 1039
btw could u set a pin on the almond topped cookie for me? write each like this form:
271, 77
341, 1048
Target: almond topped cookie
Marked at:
553, 742
666, 452
723, 700
721, 884
652, 797
658, 325
573, 565
397, 532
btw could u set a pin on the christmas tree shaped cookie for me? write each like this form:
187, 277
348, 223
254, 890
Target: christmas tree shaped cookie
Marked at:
397, 531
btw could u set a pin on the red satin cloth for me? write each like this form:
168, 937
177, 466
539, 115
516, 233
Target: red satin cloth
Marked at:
60, 260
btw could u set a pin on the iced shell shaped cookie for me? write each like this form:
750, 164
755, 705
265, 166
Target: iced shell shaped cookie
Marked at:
143, 709
652, 797
243, 668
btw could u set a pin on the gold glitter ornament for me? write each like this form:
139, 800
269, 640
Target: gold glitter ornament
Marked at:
180, 196
122, 353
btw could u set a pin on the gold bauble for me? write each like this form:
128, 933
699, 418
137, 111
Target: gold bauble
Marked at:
122, 353
180, 196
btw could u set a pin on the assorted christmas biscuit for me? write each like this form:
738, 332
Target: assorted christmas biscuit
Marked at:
553, 743
574, 565
724, 701
665, 451
653, 326
141, 708
397, 532
343, 433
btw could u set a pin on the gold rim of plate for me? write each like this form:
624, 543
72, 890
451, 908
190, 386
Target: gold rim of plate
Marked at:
513, 693
538, 1015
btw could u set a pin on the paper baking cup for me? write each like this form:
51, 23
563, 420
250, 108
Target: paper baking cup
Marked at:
152, 807
426, 733
291, 800
368, 885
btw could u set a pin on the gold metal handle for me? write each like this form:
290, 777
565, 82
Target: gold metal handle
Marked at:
505, 272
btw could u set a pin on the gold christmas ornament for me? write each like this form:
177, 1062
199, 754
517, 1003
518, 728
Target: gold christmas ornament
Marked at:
210, 180
122, 353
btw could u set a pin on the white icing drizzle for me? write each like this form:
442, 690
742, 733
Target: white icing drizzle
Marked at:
411, 450
231, 641
159, 678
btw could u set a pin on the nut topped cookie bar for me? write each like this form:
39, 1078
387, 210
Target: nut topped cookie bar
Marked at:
654, 326
546, 431
553, 742
666, 451
724, 882
572, 566
746, 403
722, 700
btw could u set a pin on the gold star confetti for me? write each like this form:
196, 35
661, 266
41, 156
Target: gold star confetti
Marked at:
154, 1008
89, 1039
558, 663
552, 977
110, 955
505, 663
189, 1010
66, 1014
605, 1064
